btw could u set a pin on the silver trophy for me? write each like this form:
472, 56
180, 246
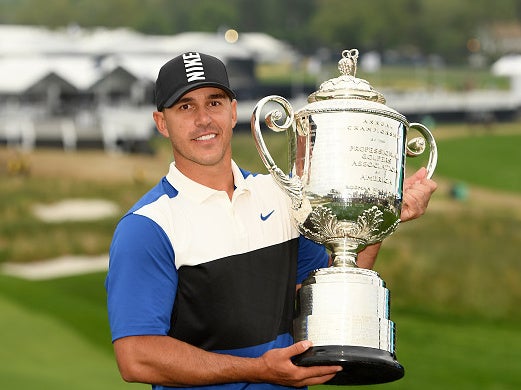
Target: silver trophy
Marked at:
347, 162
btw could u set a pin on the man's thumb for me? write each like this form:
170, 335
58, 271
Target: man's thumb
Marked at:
301, 347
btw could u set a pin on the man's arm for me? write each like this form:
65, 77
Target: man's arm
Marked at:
170, 362
417, 191
367, 257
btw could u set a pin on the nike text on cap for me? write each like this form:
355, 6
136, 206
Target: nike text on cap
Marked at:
187, 72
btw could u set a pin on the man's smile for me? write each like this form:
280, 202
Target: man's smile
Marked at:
205, 137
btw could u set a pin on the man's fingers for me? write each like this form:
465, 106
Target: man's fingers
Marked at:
313, 371
417, 177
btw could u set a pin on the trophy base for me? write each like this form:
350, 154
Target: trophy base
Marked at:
361, 365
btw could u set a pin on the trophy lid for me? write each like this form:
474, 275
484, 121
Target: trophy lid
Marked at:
347, 86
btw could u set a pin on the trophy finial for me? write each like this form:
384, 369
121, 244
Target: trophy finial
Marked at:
347, 65
346, 86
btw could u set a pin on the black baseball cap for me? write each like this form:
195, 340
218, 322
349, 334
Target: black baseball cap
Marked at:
187, 72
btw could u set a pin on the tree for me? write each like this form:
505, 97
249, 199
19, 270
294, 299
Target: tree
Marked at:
422, 26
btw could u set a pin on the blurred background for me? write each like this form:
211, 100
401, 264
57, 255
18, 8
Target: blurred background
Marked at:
78, 147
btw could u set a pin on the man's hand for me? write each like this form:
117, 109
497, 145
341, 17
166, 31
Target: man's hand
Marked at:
417, 191
278, 368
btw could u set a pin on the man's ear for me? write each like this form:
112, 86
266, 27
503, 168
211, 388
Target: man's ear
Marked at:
234, 113
159, 119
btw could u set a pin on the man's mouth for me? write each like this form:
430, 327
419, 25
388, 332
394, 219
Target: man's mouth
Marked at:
205, 137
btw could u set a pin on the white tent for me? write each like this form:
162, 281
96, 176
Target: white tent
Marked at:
268, 49
509, 65
18, 74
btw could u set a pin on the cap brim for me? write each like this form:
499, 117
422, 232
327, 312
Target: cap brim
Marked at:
179, 93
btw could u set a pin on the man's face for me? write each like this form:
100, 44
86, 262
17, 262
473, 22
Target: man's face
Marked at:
200, 126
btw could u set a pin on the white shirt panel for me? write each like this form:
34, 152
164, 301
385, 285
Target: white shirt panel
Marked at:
203, 224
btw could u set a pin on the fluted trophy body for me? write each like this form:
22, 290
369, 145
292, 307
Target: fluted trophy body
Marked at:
347, 163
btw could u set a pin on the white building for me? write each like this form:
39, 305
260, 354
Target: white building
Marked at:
95, 84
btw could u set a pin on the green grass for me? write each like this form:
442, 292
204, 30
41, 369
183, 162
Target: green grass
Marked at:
19, 194
54, 335
40, 352
392, 77
483, 160
456, 263
438, 352
77, 302
421, 77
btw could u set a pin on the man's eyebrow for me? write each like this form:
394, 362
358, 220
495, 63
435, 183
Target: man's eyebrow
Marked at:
220, 95
184, 99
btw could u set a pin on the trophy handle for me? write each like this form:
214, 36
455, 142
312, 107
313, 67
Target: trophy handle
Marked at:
291, 185
416, 146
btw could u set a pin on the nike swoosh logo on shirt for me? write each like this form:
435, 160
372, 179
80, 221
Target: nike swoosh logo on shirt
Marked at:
265, 217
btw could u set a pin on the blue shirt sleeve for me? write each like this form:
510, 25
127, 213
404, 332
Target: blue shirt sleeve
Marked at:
311, 256
142, 280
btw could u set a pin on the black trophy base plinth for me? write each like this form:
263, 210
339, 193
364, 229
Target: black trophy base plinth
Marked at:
361, 365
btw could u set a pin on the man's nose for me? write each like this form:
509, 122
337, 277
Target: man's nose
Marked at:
203, 117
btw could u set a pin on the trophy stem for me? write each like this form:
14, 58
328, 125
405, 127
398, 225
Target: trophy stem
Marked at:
344, 251
345, 259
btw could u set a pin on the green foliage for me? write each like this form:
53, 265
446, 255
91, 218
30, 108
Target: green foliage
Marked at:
419, 26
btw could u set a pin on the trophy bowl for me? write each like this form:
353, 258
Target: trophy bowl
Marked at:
347, 164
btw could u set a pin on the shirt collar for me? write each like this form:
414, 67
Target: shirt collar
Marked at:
198, 192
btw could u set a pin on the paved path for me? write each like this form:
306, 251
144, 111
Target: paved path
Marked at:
56, 268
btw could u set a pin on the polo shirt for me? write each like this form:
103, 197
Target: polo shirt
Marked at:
189, 262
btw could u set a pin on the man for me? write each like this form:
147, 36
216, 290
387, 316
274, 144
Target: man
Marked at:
204, 268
